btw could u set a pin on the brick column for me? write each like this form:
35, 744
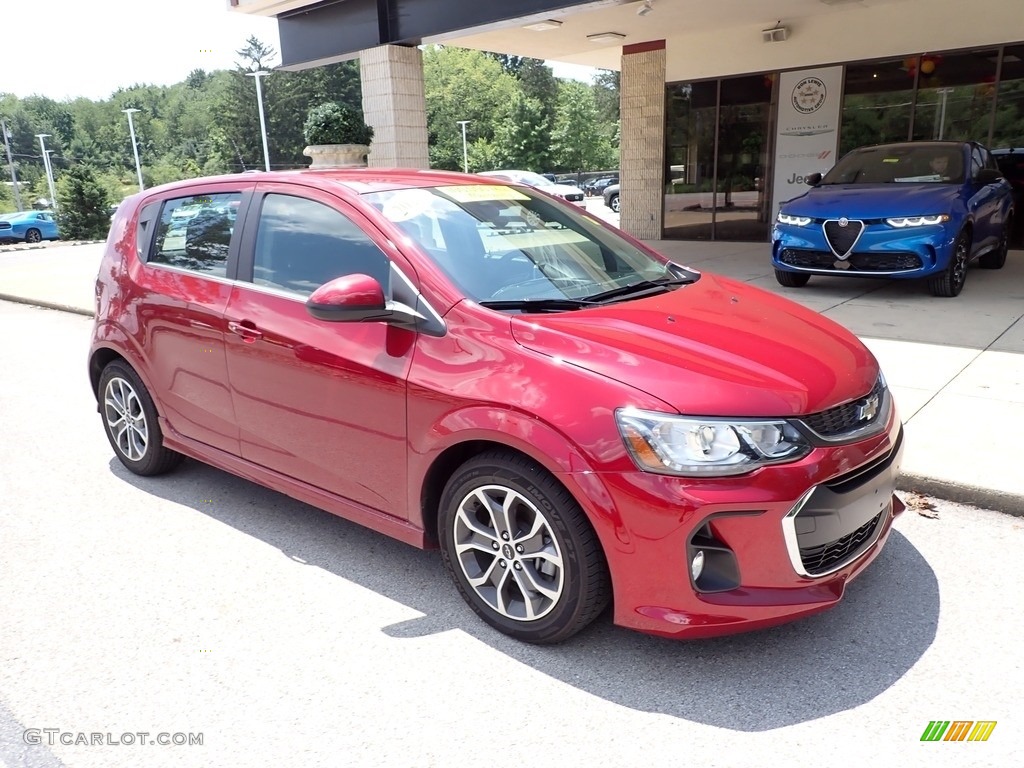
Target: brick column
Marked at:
394, 105
642, 140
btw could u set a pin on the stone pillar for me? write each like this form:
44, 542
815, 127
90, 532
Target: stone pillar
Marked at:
394, 106
642, 140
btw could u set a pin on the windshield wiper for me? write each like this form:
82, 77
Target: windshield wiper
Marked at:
643, 288
539, 305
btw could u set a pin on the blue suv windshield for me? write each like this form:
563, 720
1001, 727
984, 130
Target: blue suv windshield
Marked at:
901, 163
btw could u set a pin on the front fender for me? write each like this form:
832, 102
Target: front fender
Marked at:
532, 437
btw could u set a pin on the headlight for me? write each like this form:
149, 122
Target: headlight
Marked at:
678, 445
796, 221
917, 221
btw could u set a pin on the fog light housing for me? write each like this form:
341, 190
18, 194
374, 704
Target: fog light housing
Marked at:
713, 565
697, 565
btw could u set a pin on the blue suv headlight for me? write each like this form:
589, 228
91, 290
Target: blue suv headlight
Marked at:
917, 221
796, 221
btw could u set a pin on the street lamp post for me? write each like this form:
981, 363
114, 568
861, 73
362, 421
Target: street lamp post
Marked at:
135, 146
465, 156
263, 121
49, 169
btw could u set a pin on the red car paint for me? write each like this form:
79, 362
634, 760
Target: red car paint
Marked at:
360, 419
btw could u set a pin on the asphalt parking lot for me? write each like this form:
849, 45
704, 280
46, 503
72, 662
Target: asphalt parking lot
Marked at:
199, 603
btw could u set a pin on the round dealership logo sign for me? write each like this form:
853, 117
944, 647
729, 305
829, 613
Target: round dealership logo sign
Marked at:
808, 95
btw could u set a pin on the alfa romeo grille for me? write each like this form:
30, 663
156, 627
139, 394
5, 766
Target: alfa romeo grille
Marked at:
842, 235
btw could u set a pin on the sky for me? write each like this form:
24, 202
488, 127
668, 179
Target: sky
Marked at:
91, 48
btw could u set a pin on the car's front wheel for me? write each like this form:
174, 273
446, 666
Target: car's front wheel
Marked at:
791, 279
131, 424
997, 259
520, 550
33, 236
950, 281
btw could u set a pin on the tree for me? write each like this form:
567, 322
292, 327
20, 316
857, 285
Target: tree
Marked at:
523, 139
578, 142
83, 205
461, 84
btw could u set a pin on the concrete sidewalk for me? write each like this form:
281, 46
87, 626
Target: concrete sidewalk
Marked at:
956, 366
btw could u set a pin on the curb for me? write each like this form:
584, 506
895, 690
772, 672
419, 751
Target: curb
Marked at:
42, 246
962, 493
47, 305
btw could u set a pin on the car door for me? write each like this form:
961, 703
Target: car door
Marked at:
181, 284
984, 203
322, 402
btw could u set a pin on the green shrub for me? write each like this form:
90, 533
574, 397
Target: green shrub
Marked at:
336, 123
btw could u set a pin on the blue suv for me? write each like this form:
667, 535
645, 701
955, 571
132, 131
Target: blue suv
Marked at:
922, 209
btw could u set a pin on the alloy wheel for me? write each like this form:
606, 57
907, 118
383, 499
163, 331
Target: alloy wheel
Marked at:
508, 553
126, 419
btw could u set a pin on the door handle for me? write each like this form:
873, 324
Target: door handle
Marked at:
246, 330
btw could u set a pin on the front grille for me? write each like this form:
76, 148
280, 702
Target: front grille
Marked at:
807, 259
574, 198
884, 262
842, 238
848, 417
823, 558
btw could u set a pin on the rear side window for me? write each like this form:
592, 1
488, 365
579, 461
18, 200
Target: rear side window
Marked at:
194, 233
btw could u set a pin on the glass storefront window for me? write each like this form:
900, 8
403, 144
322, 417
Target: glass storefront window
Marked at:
690, 159
1008, 130
877, 103
954, 97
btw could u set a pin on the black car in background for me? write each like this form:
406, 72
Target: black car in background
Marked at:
611, 196
1011, 165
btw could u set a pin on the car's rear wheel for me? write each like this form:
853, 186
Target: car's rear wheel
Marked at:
613, 203
997, 259
520, 550
950, 281
791, 279
33, 236
131, 424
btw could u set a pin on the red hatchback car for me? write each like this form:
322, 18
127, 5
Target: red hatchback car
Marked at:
573, 419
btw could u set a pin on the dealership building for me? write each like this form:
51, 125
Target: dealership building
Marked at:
726, 105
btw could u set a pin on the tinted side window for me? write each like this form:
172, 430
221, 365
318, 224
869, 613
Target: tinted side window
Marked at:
195, 232
302, 244
977, 162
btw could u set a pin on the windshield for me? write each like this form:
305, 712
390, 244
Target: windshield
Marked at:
504, 244
906, 163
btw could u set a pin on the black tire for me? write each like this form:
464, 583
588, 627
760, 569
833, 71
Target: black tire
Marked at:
33, 236
951, 280
138, 443
613, 203
997, 259
575, 590
791, 279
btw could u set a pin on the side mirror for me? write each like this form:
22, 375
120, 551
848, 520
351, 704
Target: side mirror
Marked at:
813, 180
351, 298
360, 298
988, 176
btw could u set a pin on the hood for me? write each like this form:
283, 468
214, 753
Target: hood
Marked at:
717, 347
873, 201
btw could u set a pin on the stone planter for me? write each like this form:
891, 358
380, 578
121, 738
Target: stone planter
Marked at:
337, 155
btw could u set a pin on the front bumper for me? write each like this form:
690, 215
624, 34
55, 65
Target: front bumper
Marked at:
798, 533
880, 250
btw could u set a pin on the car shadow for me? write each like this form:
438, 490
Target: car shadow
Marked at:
757, 681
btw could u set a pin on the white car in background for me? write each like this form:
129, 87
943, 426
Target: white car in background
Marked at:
565, 191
